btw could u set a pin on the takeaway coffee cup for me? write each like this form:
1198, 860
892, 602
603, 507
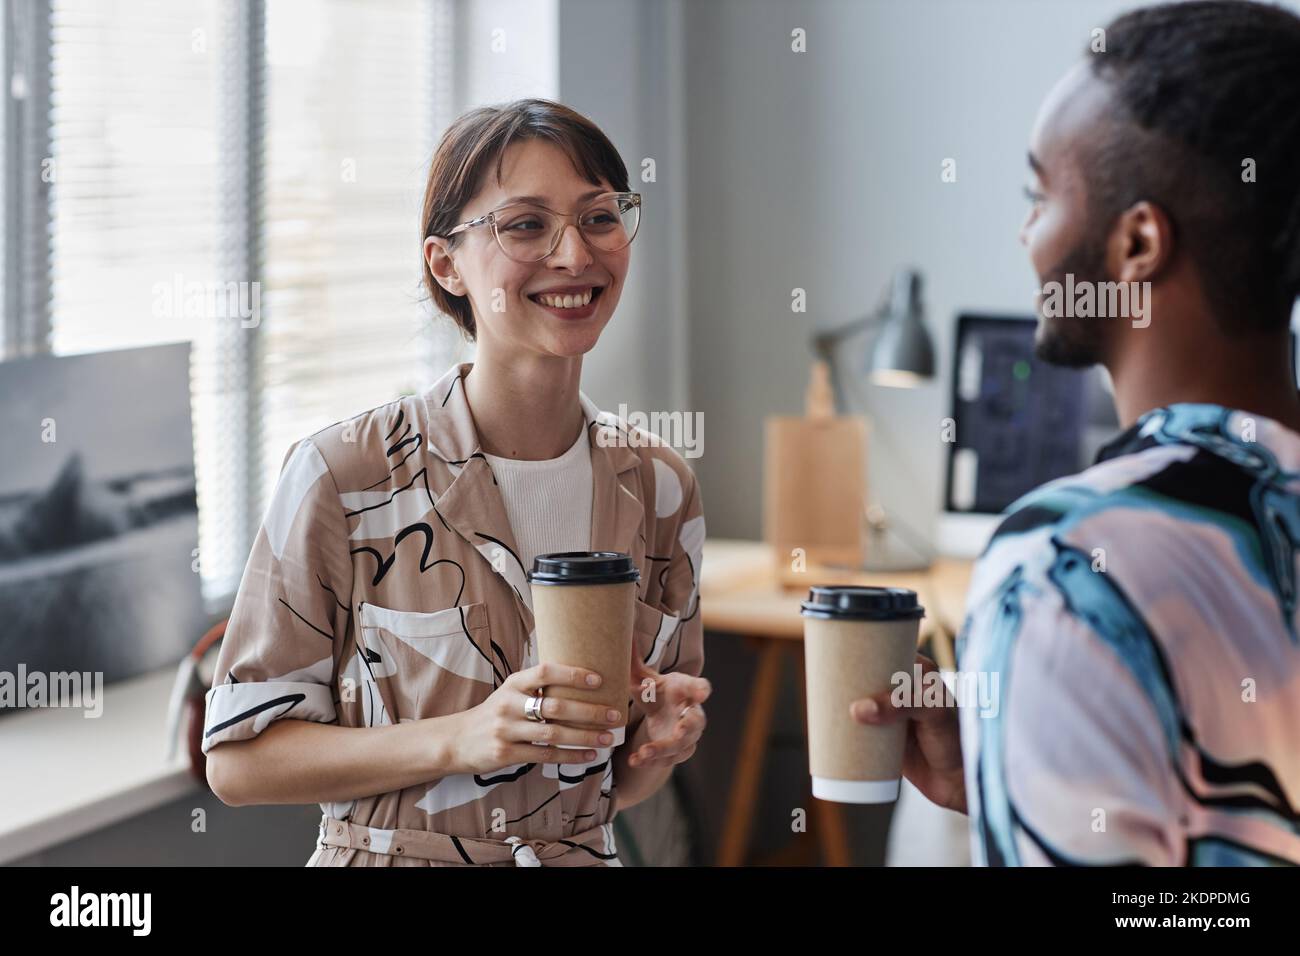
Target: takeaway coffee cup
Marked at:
583, 606
855, 640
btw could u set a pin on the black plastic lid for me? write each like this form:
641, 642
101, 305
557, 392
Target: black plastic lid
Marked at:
583, 567
850, 603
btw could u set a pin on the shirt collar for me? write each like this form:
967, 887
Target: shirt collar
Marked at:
1250, 440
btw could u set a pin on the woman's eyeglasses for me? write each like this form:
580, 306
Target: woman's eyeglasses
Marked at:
527, 232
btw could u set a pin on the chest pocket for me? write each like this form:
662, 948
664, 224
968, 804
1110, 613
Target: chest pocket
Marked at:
432, 663
653, 631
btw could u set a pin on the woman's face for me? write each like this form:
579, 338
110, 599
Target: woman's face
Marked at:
509, 298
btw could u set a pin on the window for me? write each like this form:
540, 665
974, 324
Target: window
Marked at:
242, 175
133, 167
354, 105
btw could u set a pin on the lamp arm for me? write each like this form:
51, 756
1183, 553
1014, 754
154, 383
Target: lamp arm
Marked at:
824, 342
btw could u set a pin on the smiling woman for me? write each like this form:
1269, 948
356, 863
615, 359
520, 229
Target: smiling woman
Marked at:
381, 656
483, 149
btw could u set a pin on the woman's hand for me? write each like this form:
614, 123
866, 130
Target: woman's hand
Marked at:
932, 758
674, 717
496, 734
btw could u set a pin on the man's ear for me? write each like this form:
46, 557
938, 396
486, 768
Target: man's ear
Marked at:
1141, 243
437, 254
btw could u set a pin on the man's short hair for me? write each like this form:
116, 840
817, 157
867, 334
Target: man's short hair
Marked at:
1209, 130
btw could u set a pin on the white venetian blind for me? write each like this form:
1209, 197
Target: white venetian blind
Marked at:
134, 205
134, 165
158, 183
355, 99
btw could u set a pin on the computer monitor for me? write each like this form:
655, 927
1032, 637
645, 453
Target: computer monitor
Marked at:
1018, 423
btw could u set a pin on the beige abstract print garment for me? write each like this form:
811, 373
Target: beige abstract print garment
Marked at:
384, 586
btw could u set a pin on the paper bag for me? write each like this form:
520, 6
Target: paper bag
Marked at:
814, 488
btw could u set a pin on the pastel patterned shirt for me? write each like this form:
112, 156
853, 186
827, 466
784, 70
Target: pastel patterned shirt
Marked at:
1141, 621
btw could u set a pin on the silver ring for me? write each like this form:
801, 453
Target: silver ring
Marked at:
533, 709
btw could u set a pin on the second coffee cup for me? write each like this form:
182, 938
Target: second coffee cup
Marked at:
584, 604
855, 640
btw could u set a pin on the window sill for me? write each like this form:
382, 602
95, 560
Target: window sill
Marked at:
68, 774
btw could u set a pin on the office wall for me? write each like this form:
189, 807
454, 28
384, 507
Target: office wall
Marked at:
621, 63
821, 170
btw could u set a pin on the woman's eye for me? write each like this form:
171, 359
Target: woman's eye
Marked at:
1033, 196
527, 224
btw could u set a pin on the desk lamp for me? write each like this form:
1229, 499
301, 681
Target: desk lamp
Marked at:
901, 355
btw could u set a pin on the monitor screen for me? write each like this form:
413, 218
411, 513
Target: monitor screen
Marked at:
1019, 422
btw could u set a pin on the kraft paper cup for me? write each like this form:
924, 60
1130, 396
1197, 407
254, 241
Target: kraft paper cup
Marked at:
584, 604
855, 640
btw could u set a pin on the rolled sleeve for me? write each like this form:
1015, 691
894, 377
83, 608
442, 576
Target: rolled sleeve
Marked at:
278, 656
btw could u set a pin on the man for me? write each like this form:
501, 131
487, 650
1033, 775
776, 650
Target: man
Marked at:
1142, 616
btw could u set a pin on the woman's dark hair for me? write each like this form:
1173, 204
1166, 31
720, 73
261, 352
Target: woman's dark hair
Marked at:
1204, 87
479, 139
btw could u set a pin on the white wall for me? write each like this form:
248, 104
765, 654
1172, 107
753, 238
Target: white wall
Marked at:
621, 64
821, 170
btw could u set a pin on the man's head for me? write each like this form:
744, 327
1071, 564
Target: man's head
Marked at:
1173, 157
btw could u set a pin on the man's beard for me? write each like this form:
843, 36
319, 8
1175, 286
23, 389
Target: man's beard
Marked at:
1070, 340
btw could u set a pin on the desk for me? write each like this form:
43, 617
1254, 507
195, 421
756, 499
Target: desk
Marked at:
742, 593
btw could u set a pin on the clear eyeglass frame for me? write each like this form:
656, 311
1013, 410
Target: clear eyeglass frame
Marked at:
493, 219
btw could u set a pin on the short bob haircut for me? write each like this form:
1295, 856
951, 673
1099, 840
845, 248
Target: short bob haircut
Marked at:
479, 139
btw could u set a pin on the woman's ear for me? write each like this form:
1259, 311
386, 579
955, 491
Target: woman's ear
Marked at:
437, 254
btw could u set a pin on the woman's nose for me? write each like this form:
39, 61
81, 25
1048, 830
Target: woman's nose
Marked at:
571, 252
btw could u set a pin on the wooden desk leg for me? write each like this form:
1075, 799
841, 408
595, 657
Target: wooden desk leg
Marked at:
748, 776
828, 821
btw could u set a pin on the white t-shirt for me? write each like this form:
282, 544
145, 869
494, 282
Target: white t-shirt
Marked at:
548, 502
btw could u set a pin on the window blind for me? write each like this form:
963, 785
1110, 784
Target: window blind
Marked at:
354, 102
259, 201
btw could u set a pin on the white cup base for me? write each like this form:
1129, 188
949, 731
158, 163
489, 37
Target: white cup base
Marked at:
855, 791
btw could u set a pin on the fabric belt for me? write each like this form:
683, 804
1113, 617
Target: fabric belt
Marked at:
586, 848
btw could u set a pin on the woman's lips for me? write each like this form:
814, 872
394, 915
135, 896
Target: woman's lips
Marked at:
574, 312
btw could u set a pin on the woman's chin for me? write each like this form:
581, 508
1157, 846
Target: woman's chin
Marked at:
576, 339
572, 346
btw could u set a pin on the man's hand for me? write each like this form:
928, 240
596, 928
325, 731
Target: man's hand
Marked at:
932, 758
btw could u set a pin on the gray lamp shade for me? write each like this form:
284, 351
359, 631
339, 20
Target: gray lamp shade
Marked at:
903, 355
